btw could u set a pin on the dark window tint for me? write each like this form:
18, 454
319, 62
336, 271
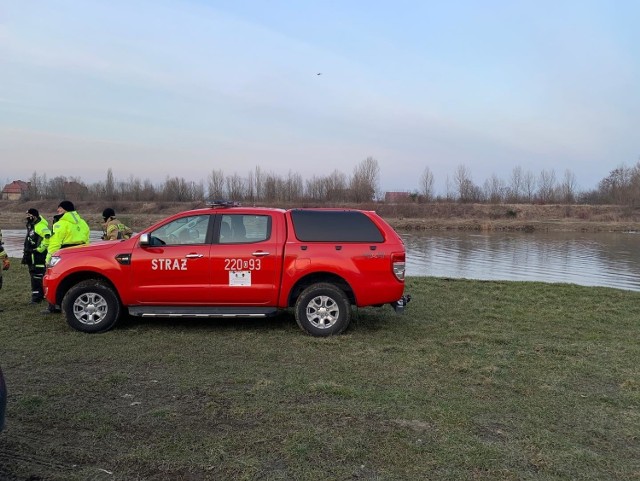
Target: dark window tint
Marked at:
334, 226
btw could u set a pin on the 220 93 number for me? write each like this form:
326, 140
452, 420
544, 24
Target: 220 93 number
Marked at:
242, 264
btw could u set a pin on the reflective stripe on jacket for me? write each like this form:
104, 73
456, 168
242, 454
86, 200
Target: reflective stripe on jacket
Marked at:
70, 230
114, 230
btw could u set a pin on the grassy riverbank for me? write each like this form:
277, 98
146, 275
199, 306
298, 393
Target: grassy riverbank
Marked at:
478, 380
410, 216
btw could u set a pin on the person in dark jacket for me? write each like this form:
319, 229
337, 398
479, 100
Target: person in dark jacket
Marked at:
35, 252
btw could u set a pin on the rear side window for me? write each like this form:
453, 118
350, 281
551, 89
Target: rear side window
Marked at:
244, 229
334, 226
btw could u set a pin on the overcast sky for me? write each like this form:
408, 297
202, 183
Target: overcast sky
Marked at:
157, 88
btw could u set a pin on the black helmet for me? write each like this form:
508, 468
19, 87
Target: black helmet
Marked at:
108, 212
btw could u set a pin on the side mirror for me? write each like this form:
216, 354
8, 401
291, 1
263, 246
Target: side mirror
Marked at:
145, 240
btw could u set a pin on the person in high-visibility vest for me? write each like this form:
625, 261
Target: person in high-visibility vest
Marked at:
70, 230
35, 251
67, 231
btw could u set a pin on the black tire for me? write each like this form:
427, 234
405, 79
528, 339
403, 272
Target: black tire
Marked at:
323, 310
91, 306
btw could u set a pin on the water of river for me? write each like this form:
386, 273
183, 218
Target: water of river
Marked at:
592, 259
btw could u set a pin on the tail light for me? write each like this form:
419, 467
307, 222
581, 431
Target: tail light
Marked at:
398, 264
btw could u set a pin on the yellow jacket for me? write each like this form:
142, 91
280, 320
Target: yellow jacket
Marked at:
70, 230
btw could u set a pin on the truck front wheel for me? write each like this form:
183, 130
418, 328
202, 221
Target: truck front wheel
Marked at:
91, 306
323, 310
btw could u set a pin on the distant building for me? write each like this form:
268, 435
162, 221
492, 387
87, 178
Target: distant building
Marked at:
16, 190
75, 190
397, 197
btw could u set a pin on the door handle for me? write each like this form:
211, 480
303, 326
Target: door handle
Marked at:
194, 256
260, 254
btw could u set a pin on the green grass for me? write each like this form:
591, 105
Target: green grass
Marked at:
478, 380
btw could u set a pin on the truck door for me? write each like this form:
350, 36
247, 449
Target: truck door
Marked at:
175, 268
246, 260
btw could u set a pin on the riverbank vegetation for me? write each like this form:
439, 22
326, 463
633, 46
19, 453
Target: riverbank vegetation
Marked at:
525, 201
402, 216
520, 186
477, 381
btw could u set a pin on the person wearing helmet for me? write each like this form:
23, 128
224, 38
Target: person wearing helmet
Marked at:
35, 252
113, 229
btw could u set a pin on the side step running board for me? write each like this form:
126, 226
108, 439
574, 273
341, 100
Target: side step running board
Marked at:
213, 312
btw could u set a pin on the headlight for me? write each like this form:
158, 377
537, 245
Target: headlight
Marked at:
54, 260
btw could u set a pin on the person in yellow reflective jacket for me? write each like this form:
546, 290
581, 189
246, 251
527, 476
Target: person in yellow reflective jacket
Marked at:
69, 230
35, 251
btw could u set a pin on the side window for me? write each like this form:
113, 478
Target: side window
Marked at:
334, 226
186, 230
244, 228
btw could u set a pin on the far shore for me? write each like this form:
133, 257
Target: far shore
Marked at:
403, 217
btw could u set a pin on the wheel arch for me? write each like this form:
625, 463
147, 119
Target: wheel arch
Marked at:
318, 277
77, 277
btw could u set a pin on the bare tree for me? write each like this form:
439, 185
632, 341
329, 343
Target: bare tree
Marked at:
449, 191
426, 184
467, 190
315, 188
547, 186
529, 186
133, 189
149, 192
259, 178
516, 187
235, 187
293, 187
197, 190
177, 189
250, 193
272, 187
110, 186
56, 187
621, 186
364, 182
37, 186
216, 184
494, 189
568, 187
336, 186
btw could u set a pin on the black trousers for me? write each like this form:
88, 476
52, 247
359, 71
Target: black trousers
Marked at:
37, 291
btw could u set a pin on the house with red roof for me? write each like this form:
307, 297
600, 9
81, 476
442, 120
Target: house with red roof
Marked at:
16, 190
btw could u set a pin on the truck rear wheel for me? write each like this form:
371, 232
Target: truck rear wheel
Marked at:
91, 306
323, 310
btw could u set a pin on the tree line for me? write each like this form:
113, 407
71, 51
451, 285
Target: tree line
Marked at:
621, 186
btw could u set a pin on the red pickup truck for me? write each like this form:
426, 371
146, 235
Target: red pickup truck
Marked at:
230, 261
